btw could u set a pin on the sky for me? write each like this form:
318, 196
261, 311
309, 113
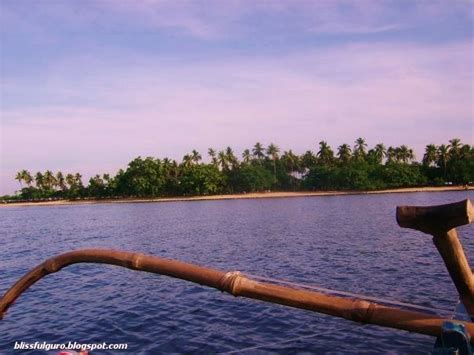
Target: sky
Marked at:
88, 85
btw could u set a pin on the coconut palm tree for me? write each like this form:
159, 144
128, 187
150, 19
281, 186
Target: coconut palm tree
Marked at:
325, 154
291, 162
212, 154
25, 176
360, 148
187, 161
272, 152
258, 151
49, 180
195, 156
19, 177
431, 155
39, 180
108, 181
246, 156
443, 157
70, 180
466, 150
454, 148
308, 160
391, 154
379, 152
170, 168
371, 157
222, 160
231, 158
61, 181
78, 181
404, 154
344, 153
166, 167
174, 168
98, 181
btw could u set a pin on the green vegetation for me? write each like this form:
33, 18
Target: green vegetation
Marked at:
263, 169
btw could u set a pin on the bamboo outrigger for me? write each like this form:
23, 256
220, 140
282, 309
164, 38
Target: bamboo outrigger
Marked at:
439, 221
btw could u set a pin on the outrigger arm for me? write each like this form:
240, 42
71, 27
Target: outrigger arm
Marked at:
239, 285
441, 222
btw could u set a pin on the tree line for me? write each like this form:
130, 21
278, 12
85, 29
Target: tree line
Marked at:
264, 168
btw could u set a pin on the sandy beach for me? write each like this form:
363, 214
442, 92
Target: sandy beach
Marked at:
235, 196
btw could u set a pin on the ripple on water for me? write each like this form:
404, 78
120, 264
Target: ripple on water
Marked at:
349, 243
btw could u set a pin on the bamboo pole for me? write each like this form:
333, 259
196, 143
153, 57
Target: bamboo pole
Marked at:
240, 286
440, 222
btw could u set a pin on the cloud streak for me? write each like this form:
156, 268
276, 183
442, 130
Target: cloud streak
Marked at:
395, 94
88, 88
214, 19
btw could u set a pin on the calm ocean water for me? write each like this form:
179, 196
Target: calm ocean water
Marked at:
348, 243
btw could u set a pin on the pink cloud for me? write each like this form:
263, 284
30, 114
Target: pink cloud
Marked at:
398, 94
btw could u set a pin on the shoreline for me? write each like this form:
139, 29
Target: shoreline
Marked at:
254, 195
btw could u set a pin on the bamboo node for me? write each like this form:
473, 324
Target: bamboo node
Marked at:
227, 282
51, 266
361, 311
135, 262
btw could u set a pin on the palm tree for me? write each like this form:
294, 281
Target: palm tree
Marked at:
231, 158
222, 160
187, 161
443, 157
28, 178
60, 181
404, 154
174, 168
272, 151
24, 175
371, 157
466, 150
39, 180
212, 153
291, 162
308, 160
431, 155
325, 154
454, 148
195, 156
379, 152
78, 180
107, 179
391, 154
19, 177
49, 180
166, 167
344, 153
246, 156
70, 180
360, 148
98, 180
258, 151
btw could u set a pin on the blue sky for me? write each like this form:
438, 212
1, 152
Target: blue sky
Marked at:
89, 85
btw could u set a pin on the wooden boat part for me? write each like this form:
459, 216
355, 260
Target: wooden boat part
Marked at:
436, 219
237, 284
440, 222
